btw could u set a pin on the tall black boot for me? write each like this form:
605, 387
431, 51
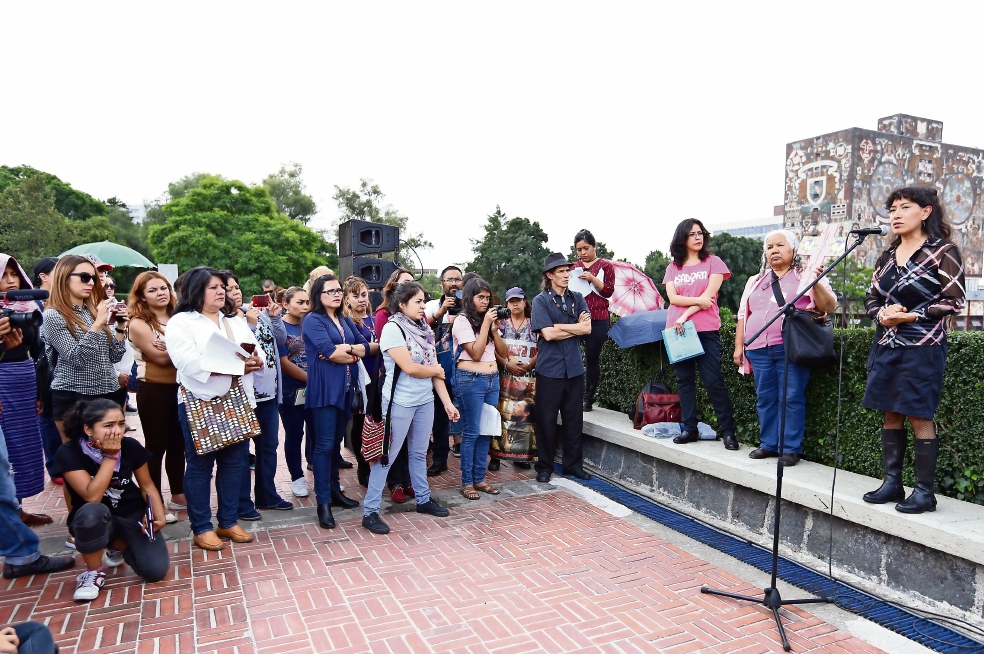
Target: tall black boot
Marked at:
893, 449
922, 498
588, 398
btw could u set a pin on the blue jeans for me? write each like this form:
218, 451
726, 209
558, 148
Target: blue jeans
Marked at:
35, 638
228, 465
413, 425
265, 445
18, 543
297, 422
767, 372
475, 390
329, 432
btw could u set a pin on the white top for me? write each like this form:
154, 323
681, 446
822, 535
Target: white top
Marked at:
126, 363
187, 334
431, 308
410, 391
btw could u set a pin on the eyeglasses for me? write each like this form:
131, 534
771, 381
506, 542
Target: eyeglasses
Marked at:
696, 234
85, 278
334, 291
451, 279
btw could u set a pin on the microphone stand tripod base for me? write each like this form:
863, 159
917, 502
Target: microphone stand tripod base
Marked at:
773, 601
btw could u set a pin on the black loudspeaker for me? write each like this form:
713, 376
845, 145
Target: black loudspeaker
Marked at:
374, 271
359, 237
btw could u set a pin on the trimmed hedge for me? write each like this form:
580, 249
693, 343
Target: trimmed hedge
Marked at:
959, 419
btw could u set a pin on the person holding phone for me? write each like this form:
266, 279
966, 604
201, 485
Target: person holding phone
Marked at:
197, 316
107, 477
692, 282
268, 329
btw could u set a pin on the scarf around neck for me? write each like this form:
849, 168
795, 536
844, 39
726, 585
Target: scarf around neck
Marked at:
420, 332
96, 454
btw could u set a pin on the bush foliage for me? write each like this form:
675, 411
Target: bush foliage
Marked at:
959, 419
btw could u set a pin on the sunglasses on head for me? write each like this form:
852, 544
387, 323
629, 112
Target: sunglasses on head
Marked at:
84, 277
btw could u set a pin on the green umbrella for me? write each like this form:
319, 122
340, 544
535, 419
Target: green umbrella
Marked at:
113, 253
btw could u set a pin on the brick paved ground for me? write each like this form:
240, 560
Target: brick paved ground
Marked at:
538, 570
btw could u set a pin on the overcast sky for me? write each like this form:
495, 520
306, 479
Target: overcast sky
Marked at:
620, 117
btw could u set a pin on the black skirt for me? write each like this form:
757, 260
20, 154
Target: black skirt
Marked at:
906, 380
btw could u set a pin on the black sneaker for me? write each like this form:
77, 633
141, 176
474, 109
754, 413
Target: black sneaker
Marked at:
375, 524
432, 508
456, 450
41, 565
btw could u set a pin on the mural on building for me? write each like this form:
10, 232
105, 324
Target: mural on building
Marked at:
845, 177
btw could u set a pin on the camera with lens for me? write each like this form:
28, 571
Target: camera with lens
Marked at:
21, 319
501, 313
456, 309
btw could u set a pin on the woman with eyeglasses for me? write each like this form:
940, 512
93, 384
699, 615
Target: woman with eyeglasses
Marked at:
692, 281
334, 346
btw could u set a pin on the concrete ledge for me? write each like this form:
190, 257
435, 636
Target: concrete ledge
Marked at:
934, 559
956, 527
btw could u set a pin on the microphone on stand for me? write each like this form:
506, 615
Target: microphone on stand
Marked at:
878, 231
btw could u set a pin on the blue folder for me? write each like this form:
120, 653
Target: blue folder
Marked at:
682, 347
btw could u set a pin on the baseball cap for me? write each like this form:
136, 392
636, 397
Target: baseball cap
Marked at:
95, 261
515, 292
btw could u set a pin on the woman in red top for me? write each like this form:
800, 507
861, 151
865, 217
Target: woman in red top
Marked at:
601, 275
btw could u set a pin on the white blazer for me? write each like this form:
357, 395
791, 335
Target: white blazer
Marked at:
187, 334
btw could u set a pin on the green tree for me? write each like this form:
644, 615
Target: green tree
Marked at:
510, 254
850, 287
655, 269
431, 284
743, 256
227, 224
601, 250
287, 191
175, 191
366, 203
30, 225
68, 201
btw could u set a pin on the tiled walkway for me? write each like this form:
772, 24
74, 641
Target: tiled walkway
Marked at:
536, 571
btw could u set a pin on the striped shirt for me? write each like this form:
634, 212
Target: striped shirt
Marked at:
930, 285
85, 363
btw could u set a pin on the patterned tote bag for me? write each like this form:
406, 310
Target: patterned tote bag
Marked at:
221, 421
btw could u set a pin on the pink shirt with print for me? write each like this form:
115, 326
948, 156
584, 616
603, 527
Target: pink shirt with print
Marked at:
761, 305
691, 281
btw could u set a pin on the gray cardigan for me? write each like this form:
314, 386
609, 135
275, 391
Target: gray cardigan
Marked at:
279, 332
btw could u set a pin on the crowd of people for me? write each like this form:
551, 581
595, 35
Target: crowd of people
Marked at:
451, 375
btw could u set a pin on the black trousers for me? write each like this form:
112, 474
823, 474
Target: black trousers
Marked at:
94, 528
564, 396
709, 365
157, 406
593, 343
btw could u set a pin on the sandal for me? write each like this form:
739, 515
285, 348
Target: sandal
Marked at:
470, 493
486, 488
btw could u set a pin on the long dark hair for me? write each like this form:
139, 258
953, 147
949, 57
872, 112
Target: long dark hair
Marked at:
402, 294
936, 225
317, 306
227, 308
390, 286
473, 287
678, 246
193, 285
87, 414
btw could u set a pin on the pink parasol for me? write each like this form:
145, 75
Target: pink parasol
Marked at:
634, 291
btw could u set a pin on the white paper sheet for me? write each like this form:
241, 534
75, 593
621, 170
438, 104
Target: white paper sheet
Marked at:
491, 421
584, 287
824, 247
220, 355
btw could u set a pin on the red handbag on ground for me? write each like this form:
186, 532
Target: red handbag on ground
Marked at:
656, 404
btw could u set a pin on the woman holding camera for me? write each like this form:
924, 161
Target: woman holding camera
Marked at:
918, 283
18, 390
476, 338
334, 346
197, 317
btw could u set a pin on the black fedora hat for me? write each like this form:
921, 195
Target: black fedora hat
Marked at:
553, 260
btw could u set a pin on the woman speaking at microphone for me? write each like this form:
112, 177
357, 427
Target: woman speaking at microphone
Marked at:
918, 282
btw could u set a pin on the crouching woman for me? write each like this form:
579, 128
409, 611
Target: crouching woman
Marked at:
108, 480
